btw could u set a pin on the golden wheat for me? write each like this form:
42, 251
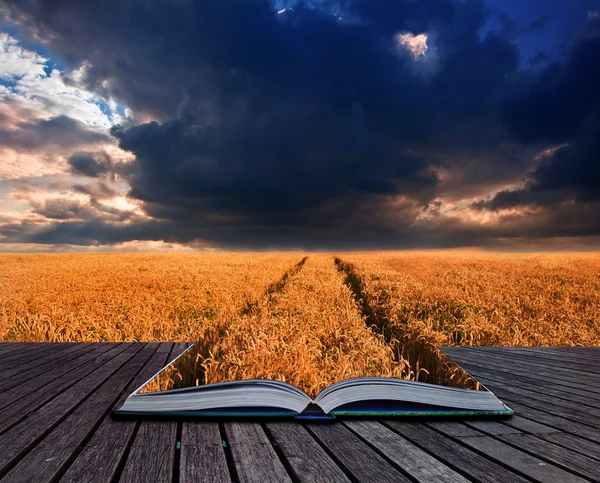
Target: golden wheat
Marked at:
310, 334
128, 297
308, 322
473, 298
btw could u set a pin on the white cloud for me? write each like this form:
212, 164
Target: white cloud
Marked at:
32, 93
416, 44
50, 94
16, 61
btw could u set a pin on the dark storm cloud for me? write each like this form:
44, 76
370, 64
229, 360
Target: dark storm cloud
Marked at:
60, 131
561, 99
97, 189
537, 24
65, 209
86, 164
562, 106
315, 126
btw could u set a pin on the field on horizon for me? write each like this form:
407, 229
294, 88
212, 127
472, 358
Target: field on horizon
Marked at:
307, 318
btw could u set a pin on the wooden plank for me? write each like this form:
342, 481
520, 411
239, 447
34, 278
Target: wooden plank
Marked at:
585, 403
20, 438
526, 425
49, 458
499, 378
202, 454
453, 428
54, 376
14, 376
59, 350
562, 392
555, 407
101, 457
354, 455
480, 365
20, 350
573, 354
254, 458
161, 448
412, 459
589, 401
152, 462
545, 360
520, 461
493, 428
30, 352
573, 412
555, 421
527, 365
460, 458
557, 455
515, 459
24, 405
531, 368
307, 460
7, 348
574, 443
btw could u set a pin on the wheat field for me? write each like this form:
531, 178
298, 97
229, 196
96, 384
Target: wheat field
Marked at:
308, 319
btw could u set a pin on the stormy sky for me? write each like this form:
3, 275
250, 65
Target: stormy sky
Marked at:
290, 124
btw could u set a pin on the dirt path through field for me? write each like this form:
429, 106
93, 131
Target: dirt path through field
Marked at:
309, 332
129, 297
427, 362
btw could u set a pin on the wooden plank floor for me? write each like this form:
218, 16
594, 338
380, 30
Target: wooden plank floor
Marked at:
55, 425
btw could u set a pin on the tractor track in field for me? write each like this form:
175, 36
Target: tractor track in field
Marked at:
201, 350
275, 287
426, 361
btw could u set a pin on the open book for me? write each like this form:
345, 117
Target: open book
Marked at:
365, 396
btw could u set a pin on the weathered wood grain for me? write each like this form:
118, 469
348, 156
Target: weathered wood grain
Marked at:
55, 424
550, 358
578, 395
505, 363
520, 461
24, 404
555, 454
13, 376
528, 425
307, 459
53, 378
152, 462
7, 348
45, 462
572, 411
102, 455
161, 449
574, 443
202, 454
413, 460
483, 366
28, 353
355, 456
460, 458
16, 442
254, 458
555, 420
